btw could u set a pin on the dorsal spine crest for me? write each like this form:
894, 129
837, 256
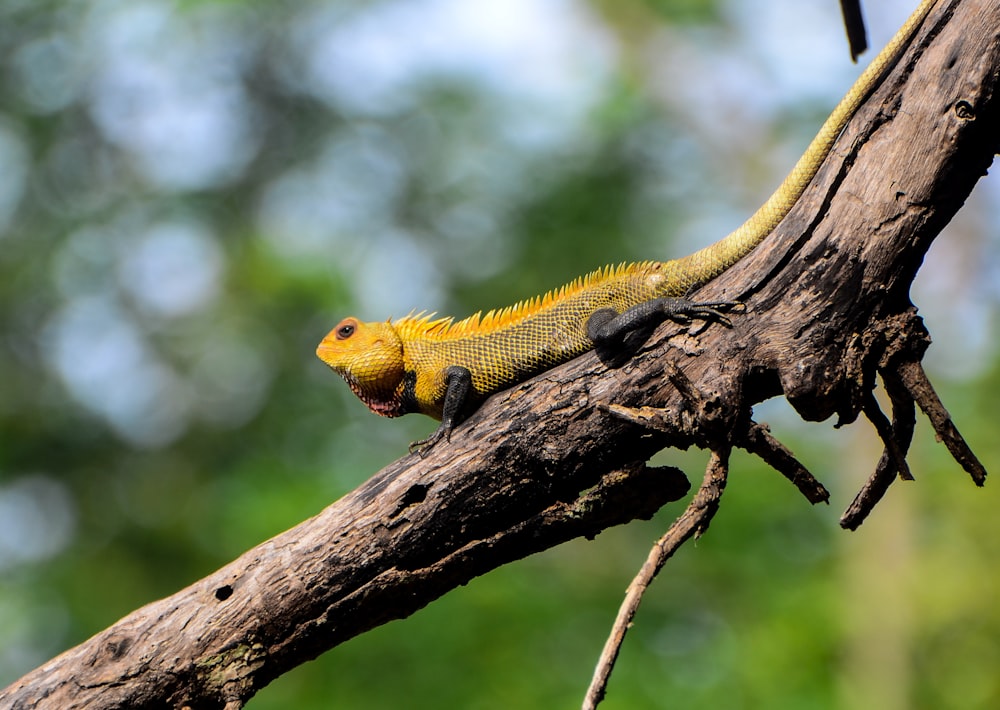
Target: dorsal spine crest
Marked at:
427, 325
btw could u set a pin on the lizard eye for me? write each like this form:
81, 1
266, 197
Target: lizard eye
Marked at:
345, 331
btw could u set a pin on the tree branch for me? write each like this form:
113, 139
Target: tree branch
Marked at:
693, 522
827, 305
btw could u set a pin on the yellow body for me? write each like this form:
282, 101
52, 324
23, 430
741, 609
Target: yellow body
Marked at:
499, 348
400, 366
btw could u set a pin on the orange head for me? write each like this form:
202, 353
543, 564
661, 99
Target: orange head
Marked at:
369, 356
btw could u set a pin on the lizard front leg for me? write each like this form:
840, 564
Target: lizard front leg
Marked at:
458, 386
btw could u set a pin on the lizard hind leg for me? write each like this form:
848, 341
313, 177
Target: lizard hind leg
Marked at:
618, 336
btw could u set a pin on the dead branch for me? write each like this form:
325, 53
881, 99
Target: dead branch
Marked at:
693, 522
827, 307
903, 422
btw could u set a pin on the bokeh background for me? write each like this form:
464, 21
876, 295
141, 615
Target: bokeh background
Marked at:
192, 193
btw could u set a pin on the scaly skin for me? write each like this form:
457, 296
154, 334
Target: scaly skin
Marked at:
411, 364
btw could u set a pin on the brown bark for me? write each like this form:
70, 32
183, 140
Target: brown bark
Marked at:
828, 309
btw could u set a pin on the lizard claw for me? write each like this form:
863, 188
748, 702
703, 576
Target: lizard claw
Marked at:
424, 446
685, 311
713, 312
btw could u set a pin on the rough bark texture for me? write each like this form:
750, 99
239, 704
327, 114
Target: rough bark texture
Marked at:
827, 310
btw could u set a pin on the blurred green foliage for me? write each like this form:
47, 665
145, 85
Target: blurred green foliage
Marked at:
193, 193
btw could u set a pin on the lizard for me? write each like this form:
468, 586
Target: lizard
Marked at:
445, 368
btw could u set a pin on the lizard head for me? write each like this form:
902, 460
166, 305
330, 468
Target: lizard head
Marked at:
369, 356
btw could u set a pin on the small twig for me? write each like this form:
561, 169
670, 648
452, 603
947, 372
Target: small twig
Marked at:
854, 23
694, 521
915, 380
885, 432
903, 422
655, 418
758, 440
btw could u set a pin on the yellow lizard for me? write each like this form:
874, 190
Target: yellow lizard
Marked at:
446, 368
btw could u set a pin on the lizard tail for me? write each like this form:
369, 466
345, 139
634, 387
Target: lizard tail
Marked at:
709, 262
